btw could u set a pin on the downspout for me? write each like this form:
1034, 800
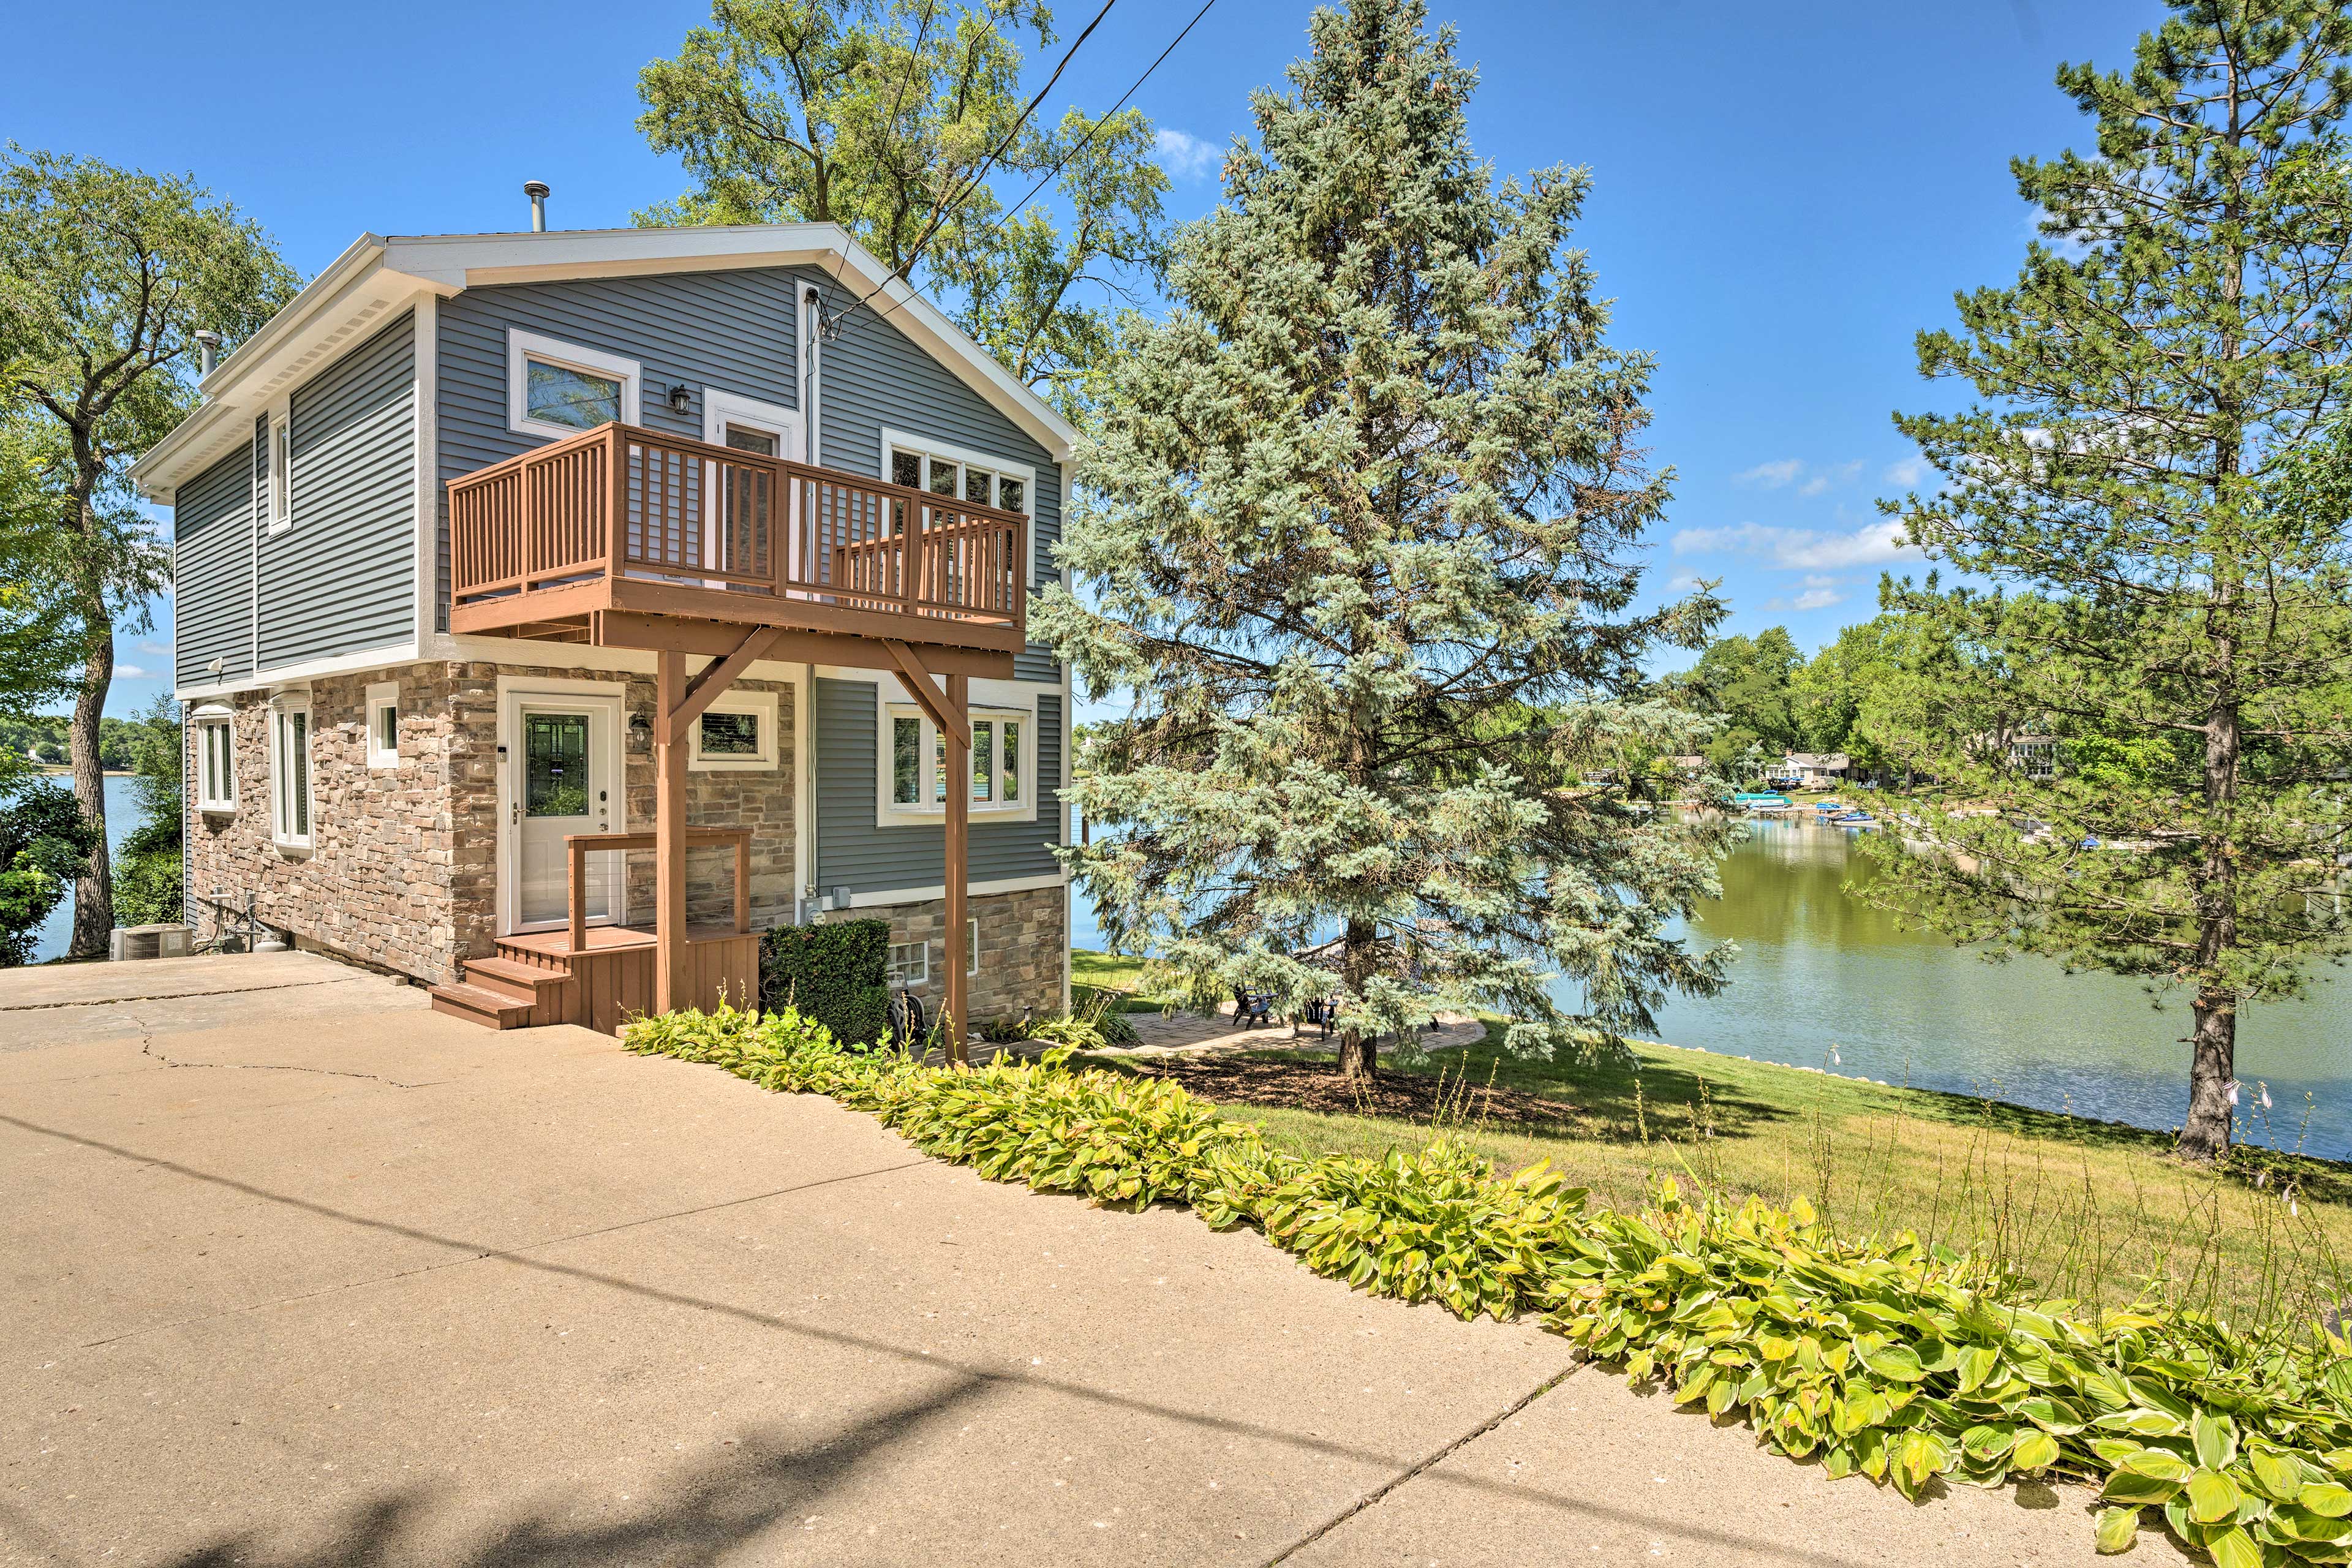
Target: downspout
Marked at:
805, 720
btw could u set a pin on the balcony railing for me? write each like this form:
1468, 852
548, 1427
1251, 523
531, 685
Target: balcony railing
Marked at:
625, 505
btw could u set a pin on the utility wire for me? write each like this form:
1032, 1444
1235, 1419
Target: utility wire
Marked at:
1055, 173
963, 191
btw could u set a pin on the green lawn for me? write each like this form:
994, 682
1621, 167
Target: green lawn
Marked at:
2091, 1210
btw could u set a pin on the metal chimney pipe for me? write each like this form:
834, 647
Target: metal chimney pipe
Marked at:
207, 350
537, 191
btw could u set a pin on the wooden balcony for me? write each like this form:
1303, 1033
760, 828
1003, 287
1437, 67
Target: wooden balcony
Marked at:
622, 519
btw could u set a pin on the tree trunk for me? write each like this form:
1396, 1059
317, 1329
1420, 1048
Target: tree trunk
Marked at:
2212, 1065
93, 916
1358, 1056
1359, 1048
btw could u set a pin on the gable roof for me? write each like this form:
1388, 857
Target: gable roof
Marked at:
376, 274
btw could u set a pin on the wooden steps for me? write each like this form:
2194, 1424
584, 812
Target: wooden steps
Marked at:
537, 978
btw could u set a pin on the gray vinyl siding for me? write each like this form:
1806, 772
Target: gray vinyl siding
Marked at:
343, 578
734, 330
873, 377
852, 850
212, 572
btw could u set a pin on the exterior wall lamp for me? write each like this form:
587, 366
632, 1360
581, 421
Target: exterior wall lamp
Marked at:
680, 399
641, 735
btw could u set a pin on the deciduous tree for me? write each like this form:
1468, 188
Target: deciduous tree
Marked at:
891, 116
1358, 547
105, 275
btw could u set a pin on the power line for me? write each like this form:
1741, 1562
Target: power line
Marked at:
962, 193
1055, 173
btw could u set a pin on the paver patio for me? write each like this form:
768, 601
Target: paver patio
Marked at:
298, 1272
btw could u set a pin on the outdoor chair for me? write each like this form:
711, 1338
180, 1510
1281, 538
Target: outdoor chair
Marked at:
1252, 1005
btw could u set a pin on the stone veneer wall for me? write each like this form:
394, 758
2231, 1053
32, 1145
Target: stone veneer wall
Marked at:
1022, 939
387, 846
402, 871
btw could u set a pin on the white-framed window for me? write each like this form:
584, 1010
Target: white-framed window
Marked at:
921, 464
558, 389
971, 945
737, 733
914, 764
282, 473
748, 424
290, 771
216, 758
910, 965
383, 724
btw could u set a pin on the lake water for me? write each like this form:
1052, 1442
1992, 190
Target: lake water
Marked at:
1819, 971
122, 815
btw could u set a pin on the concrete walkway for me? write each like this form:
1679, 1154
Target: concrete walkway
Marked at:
295, 1271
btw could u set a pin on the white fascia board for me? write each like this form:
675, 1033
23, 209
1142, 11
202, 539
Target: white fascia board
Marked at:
353, 297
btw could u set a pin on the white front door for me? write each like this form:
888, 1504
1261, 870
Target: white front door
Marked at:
564, 779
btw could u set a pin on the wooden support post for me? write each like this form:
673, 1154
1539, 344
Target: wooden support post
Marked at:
670, 959
958, 857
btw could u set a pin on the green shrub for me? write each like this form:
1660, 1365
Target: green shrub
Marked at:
43, 845
833, 974
1881, 1356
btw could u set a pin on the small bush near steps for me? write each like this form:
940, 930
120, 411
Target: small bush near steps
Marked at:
1877, 1356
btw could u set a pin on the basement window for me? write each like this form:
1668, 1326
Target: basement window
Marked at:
911, 964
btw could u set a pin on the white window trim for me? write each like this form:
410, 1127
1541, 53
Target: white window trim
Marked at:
971, 946
522, 346
890, 813
890, 964
381, 695
281, 708
761, 703
212, 716
281, 489
902, 441
722, 408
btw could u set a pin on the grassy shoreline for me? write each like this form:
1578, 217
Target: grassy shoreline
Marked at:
2095, 1211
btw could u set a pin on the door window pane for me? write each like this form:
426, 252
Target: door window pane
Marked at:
555, 765
943, 477
1010, 762
906, 761
743, 438
1012, 495
559, 394
907, 468
983, 762
975, 486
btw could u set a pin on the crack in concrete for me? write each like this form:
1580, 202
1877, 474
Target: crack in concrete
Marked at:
147, 1049
1423, 1466
170, 995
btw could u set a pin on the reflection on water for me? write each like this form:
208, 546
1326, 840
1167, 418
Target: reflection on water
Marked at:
1819, 968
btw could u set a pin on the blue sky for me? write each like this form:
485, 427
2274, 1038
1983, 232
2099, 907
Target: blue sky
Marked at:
1783, 195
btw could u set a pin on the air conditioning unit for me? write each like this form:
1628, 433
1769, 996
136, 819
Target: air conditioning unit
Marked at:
149, 941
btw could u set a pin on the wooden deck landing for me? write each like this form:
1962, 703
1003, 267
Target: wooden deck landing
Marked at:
539, 977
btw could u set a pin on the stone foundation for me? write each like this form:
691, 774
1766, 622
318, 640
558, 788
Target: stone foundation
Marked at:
1022, 937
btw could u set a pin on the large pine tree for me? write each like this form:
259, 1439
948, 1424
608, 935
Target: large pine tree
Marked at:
1359, 546
2149, 479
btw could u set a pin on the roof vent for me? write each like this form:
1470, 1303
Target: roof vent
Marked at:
207, 350
537, 191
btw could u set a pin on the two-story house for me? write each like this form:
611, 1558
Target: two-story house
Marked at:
556, 610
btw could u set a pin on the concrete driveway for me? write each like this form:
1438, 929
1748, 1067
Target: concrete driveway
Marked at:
294, 1270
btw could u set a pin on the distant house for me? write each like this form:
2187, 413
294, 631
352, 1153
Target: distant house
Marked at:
2035, 756
1810, 770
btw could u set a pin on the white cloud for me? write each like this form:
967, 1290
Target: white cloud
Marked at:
131, 672
1909, 472
1772, 476
1819, 593
1803, 549
1837, 474
158, 649
1185, 157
